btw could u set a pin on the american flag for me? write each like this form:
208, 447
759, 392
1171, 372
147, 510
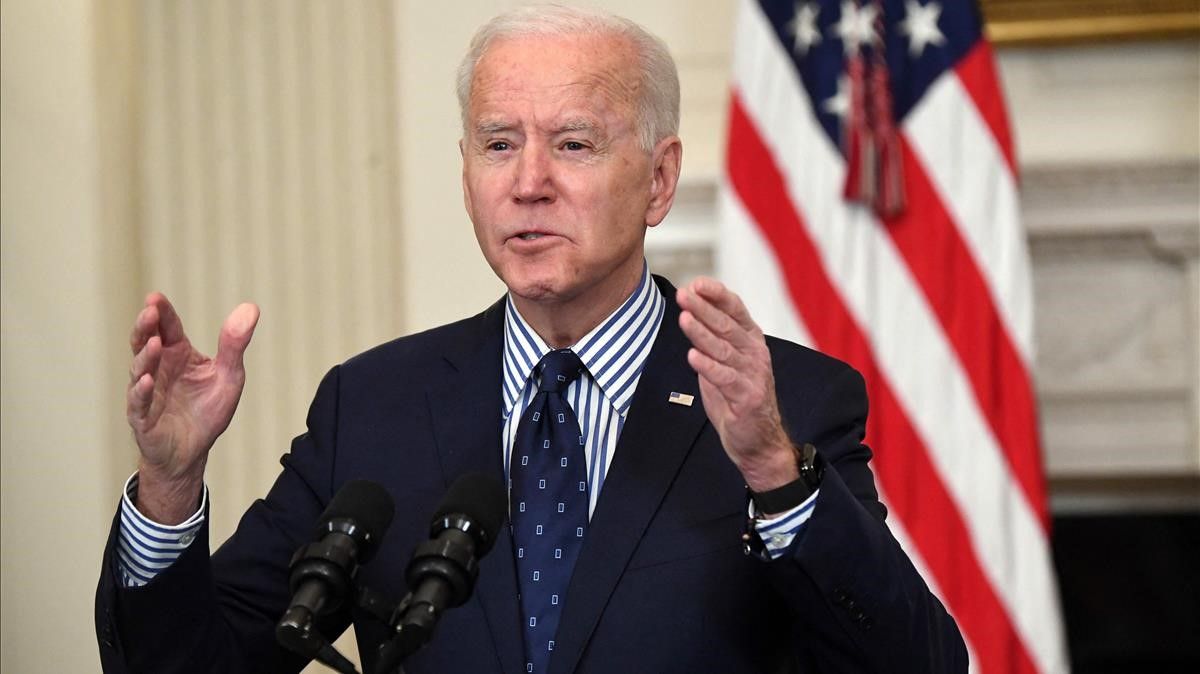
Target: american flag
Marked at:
869, 209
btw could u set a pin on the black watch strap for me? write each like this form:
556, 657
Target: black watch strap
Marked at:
794, 493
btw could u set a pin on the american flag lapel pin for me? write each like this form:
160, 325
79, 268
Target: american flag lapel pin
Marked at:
681, 399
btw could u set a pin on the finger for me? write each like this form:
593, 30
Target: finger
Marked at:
138, 397
718, 321
235, 337
708, 343
146, 360
169, 324
722, 377
144, 327
725, 300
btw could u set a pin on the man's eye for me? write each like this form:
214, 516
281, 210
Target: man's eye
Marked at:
498, 145
573, 146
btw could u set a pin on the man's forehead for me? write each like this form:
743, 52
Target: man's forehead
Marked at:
576, 70
604, 50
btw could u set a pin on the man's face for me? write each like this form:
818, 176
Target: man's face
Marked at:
554, 179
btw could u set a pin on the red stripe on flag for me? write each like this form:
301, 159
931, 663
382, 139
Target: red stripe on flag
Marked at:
901, 463
977, 72
934, 250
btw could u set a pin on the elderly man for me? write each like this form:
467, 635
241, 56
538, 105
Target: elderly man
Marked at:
656, 563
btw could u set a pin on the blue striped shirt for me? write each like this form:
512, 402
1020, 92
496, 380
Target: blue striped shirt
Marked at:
777, 533
144, 547
613, 353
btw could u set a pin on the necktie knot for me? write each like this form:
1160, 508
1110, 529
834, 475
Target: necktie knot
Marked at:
559, 368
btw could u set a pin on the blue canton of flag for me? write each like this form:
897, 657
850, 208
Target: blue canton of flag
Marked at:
866, 64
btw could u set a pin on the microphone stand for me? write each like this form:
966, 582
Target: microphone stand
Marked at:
296, 633
443, 570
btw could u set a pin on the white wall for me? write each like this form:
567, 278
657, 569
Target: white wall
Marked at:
60, 379
1106, 104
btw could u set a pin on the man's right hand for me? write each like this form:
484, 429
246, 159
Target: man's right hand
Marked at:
178, 401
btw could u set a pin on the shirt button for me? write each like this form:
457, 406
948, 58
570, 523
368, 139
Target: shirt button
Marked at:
187, 538
778, 539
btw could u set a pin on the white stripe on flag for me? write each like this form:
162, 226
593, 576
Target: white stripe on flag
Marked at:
981, 196
745, 260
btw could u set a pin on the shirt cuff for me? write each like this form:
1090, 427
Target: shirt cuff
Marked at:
146, 548
777, 533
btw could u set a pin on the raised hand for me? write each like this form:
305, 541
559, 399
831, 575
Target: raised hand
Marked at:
736, 382
178, 401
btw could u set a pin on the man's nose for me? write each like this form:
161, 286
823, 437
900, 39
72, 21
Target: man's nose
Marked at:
534, 181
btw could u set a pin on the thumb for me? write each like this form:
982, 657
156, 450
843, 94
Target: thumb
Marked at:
235, 336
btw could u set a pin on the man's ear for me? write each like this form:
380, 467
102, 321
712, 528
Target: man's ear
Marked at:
466, 192
667, 159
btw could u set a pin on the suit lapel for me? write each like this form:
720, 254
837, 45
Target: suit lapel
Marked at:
654, 443
465, 409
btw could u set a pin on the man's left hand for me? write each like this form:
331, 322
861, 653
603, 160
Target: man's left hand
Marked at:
737, 384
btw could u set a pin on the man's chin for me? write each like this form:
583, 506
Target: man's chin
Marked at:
539, 292
540, 282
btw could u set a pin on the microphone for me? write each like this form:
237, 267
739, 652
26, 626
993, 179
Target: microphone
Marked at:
443, 569
322, 572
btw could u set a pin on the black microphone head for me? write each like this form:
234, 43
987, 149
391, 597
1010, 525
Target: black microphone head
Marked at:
368, 506
478, 498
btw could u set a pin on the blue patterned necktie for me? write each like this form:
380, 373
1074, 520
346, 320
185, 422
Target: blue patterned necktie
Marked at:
548, 503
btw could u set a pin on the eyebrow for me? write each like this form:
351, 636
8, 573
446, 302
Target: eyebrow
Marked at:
577, 124
488, 127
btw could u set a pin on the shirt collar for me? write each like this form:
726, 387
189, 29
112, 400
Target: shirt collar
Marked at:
614, 352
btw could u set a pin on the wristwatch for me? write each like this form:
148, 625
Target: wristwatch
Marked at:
792, 494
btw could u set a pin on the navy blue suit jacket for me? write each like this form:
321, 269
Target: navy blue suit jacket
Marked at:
661, 585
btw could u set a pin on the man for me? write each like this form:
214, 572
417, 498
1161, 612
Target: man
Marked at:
678, 401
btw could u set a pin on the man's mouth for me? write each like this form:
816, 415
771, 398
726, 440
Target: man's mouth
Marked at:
530, 236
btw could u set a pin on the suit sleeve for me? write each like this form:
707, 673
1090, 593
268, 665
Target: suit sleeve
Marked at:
218, 613
860, 603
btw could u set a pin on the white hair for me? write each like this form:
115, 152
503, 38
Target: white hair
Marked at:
658, 97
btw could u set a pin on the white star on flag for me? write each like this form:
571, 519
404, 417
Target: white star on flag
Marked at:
856, 26
920, 24
839, 103
803, 28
